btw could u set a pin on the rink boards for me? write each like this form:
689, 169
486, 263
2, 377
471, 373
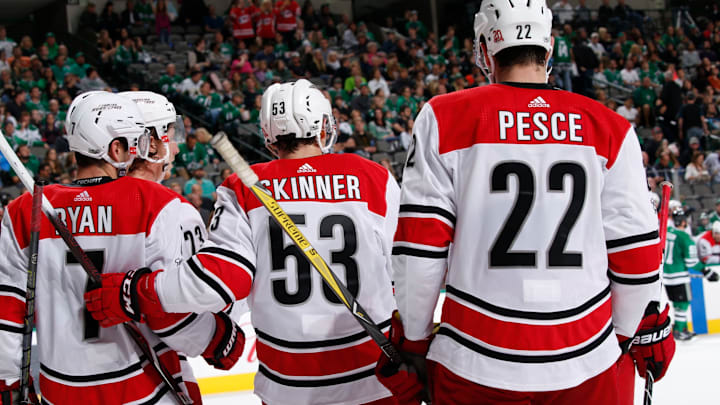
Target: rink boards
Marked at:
705, 305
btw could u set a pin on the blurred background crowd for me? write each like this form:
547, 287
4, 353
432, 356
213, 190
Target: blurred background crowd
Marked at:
660, 71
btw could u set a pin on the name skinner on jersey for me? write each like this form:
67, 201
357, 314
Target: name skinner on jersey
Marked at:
327, 187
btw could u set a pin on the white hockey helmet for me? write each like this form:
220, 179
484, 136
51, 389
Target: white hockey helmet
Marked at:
159, 113
502, 24
95, 119
298, 109
716, 228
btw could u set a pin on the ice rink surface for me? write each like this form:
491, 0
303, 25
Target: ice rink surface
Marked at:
692, 378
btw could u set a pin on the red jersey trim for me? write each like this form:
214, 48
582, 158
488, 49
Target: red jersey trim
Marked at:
518, 336
637, 261
424, 231
12, 309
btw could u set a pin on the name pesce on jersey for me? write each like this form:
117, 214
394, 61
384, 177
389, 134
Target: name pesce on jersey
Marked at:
540, 126
336, 187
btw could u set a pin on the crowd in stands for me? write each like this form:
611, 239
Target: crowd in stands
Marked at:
661, 76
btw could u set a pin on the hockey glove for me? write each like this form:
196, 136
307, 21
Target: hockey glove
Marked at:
653, 346
124, 297
407, 382
711, 275
226, 345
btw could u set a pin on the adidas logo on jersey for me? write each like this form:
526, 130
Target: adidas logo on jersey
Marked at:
538, 103
83, 197
306, 168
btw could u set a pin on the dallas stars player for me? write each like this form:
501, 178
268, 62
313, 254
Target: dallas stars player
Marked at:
680, 256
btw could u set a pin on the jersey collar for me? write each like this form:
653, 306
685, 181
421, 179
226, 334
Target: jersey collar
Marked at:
537, 86
92, 181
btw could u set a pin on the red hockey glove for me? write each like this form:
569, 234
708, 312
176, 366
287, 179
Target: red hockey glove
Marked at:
226, 345
124, 297
653, 346
407, 383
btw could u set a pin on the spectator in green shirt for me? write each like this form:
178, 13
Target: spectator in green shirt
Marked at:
418, 25
211, 101
355, 80
170, 81
191, 155
80, 67
60, 69
233, 111
379, 127
208, 188
36, 102
644, 97
28, 160
52, 45
125, 54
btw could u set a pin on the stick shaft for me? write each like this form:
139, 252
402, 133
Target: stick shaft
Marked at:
27, 394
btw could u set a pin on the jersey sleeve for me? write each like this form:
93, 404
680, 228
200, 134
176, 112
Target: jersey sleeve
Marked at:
705, 252
392, 197
631, 235
173, 238
426, 223
221, 272
13, 281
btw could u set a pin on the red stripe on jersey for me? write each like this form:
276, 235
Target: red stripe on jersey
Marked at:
318, 364
519, 336
12, 309
465, 120
372, 179
121, 392
424, 231
123, 196
641, 260
236, 278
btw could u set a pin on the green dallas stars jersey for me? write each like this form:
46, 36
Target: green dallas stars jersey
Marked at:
230, 112
680, 255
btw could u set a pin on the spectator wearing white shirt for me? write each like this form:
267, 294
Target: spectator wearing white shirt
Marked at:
6, 43
597, 48
629, 75
712, 164
564, 11
628, 111
191, 85
378, 82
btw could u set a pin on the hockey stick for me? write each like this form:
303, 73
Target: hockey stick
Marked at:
246, 174
664, 201
27, 391
92, 272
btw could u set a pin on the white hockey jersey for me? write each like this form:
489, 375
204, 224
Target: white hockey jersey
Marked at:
311, 350
520, 198
122, 224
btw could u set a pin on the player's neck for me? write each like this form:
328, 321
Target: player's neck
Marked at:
304, 151
145, 173
521, 74
104, 170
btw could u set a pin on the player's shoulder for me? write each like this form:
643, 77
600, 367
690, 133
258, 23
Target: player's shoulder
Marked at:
153, 193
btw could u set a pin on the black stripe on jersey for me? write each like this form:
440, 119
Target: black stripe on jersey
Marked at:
175, 329
157, 397
611, 244
229, 253
92, 377
315, 383
317, 343
633, 281
522, 358
427, 209
12, 290
545, 316
408, 251
209, 281
13, 329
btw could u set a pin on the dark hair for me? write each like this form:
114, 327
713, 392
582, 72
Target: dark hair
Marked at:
521, 55
86, 161
289, 144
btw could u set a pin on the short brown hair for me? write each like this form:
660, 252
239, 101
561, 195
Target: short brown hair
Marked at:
289, 143
521, 55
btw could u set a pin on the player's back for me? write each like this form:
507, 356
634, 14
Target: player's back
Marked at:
113, 221
311, 350
528, 187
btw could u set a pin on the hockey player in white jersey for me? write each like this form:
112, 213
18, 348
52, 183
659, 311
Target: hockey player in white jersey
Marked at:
518, 198
119, 222
310, 349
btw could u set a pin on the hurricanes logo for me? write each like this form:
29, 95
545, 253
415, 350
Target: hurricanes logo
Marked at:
497, 36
